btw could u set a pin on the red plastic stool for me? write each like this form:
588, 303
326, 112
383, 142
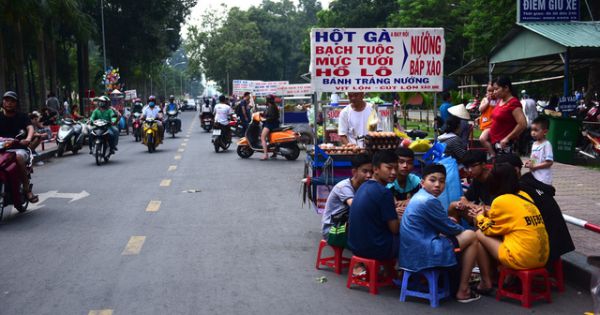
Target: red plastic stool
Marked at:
337, 261
557, 278
371, 279
528, 294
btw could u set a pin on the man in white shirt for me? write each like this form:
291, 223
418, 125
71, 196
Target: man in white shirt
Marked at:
153, 111
353, 119
222, 111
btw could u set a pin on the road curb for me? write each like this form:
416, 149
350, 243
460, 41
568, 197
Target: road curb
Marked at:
44, 155
578, 271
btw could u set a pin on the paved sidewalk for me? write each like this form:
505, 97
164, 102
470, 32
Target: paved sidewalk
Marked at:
578, 194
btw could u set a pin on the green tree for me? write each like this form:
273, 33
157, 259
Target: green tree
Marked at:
357, 13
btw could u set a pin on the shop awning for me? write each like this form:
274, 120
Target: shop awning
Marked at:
531, 48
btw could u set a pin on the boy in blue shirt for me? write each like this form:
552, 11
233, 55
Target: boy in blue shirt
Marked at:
430, 239
373, 224
406, 183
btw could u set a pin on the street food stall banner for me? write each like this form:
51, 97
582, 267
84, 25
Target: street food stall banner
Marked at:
258, 88
295, 90
130, 95
377, 60
547, 10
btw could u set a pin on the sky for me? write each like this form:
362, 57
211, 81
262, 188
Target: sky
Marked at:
204, 5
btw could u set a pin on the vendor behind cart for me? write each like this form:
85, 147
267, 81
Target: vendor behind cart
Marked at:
353, 120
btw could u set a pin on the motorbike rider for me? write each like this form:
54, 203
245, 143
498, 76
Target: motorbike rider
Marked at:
222, 114
138, 106
105, 112
153, 111
12, 122
172, 106
271, 122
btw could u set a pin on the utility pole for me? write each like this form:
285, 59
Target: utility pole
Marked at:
103, 37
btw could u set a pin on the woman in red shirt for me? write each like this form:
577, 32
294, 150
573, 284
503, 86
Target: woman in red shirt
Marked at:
508, 119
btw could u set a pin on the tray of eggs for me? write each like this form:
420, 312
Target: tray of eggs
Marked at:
348, 149
385, 140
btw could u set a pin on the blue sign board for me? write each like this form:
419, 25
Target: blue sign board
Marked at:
548, 10
567, 104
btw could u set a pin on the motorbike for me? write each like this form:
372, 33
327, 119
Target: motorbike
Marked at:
12, 191
206, 121
136, 126
100, 141
172, 123
151, 136
235, 124
70, 137
282, 141
221, 137
122, 125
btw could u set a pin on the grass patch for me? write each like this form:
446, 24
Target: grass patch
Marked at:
415, 124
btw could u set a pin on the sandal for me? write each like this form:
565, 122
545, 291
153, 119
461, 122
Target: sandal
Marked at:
264, 158
484, 292
31, 197
472, 298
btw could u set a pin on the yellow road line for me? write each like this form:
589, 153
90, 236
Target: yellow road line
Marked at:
165, 183
172, 168
134, 246
183, 144
153, 205
178, 157
181, 150
186, 140
101, 312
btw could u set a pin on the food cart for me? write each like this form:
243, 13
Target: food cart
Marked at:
343, 60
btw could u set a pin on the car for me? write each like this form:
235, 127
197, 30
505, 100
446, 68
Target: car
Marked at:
189, 104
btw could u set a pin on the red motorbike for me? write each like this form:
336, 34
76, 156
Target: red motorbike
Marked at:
137, 126
12, 191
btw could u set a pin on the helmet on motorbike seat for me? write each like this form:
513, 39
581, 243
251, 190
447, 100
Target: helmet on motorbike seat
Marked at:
11, 94
151, 98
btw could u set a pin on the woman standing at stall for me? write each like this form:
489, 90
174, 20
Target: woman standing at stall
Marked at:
508, 120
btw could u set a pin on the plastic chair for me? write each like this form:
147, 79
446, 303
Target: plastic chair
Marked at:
434, 292
371, 279
528, 293
557, 278
337, 261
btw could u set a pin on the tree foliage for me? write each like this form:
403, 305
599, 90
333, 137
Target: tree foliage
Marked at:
261, 43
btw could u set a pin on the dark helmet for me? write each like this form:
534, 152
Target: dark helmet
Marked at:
151, 98
271, 99
222, 98
11, 94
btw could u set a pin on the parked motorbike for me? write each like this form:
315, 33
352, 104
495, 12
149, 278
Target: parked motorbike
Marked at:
151, 137
235, 124
12, 191
69, 137
173, 123
100, 141
590, 144
207, 120
136, 126
282, 141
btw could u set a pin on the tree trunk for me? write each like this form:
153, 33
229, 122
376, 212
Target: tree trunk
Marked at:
83, 71
20, 67
31, 84
52, 66
41, 60
3, 57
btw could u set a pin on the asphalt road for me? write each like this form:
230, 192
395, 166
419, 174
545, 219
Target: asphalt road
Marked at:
240, 243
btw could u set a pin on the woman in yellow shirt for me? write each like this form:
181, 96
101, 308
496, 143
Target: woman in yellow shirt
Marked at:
512, 231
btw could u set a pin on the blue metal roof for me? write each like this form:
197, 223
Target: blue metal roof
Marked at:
568, 34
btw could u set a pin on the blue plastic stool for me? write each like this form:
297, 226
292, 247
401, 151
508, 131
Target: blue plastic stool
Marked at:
434, 293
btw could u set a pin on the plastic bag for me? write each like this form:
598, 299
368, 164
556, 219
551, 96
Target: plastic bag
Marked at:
435, 154
453, 190
420, 145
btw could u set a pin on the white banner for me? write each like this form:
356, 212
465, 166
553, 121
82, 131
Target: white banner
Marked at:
295, 89
130, 94
257, 88
377, 60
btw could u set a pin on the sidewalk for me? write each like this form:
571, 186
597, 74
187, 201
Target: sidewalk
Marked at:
48, 152
578, 194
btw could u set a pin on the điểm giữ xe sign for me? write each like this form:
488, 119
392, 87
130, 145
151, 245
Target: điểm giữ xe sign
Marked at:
377, 60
